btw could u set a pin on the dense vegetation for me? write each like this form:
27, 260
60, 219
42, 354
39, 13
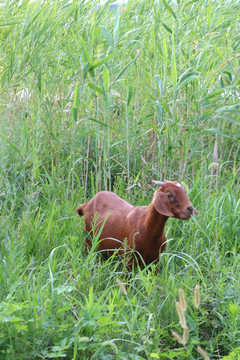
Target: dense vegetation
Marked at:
93, 99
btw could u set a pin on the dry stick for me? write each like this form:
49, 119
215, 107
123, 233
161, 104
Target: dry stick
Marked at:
215, 154
72, 308
108, 153
222, 137
86, 178
230, 153
100, 161
184, 165
234, 57
151, 151
99, 179
119, 164
143, 173
215, 158
214, 161
236, 154
99, 187
181, 150
186, 160
128, 161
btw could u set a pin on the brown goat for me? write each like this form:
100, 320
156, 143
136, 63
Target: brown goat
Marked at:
139, 229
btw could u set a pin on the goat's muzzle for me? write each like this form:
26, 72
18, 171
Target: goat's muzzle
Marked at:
186, 214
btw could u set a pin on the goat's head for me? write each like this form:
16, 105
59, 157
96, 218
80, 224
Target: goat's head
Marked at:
171, 200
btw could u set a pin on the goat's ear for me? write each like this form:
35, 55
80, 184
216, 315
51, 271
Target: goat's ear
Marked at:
162, 204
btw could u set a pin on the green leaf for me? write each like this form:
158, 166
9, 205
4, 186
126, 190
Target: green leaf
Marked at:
169, 9
154, 356
153, 127
172, 354
108, 36
224, 117
14, 147
90, 298
36, 169
167, 28
229, 108
63, 309
160, 84
75, 102
64, 288
125, 68
216, 131
131, 31
160, 109
130, 93
188, 78
101, 123
101, 61
86, 56
116, 25
173, 64
86, 69
91, 72
76, 96
234, 355
96, 88
165, 51
106, 78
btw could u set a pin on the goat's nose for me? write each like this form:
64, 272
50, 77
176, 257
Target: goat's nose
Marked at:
190, 208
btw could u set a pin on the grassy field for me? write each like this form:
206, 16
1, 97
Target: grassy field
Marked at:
95, 99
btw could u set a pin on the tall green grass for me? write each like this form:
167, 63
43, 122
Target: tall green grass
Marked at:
93, 99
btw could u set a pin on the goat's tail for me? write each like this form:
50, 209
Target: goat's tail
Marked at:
80, 209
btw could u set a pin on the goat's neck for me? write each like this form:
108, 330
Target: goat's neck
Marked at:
155, 223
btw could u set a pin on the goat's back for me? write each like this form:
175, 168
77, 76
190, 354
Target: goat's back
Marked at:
106, 201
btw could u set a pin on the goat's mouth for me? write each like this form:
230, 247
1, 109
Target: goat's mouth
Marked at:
185, 215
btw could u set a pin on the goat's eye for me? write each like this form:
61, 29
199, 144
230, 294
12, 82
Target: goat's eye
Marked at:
172, 197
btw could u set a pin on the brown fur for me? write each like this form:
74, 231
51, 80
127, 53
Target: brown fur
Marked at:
138, 228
